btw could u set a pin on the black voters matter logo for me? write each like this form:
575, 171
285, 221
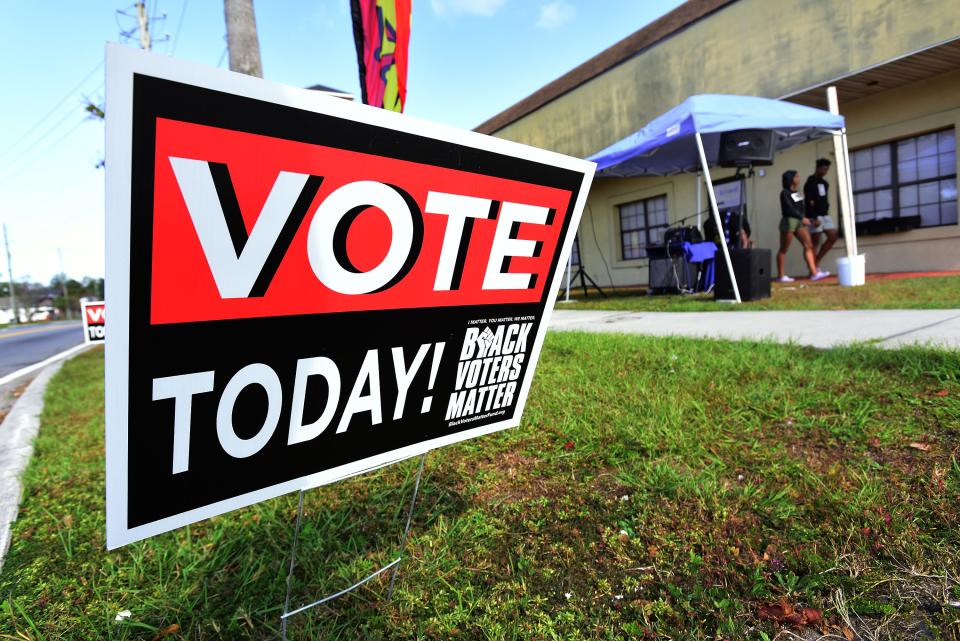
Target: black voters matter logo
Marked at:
490, 365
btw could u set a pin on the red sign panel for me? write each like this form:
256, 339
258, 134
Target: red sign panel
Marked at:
185, 289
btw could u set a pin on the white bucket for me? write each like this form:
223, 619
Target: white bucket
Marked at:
852, 272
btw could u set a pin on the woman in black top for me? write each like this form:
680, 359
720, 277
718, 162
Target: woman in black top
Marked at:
793, 222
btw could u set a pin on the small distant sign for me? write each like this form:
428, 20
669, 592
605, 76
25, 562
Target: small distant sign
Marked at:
94, 321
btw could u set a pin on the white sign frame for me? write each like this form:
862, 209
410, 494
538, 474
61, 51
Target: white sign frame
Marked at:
122, 63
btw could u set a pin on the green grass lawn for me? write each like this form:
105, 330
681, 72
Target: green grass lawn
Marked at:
658, 488
937, 292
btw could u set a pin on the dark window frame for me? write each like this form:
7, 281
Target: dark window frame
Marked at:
895, 185
645, 228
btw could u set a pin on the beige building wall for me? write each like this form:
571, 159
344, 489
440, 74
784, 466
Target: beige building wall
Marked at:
765, 48
924, 106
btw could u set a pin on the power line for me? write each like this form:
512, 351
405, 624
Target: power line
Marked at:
36, 142
33, 145
39, 122
26, 165
176, 37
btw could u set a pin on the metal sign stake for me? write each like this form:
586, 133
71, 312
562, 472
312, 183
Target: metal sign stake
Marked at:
394, 565
293, 559
406, 529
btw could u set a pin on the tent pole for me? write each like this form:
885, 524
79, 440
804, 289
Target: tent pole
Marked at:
716, 216
850, 207
844, 194
699, 201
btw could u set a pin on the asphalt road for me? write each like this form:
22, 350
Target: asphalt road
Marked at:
24, 346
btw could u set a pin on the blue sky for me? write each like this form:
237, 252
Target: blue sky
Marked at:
469, 59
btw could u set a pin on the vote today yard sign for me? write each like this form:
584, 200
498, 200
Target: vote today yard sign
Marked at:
302, 288
94, 321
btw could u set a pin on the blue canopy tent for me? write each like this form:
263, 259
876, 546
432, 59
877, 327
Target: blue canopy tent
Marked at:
686, 139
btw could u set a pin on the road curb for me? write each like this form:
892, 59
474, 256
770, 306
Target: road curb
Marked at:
17, 433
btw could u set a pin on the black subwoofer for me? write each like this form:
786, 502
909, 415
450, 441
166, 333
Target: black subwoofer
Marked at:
746, 147
752, 269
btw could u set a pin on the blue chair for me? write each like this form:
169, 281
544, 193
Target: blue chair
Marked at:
705, 254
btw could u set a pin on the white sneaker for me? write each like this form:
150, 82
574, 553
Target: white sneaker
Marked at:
820, 275
784, 279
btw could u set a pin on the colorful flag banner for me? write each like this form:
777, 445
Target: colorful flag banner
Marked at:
381, 29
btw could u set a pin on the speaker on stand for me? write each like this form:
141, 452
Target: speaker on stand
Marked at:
746, 148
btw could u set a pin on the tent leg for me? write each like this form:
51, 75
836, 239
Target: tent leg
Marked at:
716, 216
850, 207
844, 197
699, 202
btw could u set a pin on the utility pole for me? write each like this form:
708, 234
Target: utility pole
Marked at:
242, 39
141, 31
144, 22
63, 285
13, 296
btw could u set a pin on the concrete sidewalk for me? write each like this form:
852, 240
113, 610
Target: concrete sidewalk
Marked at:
884, 328
17, 432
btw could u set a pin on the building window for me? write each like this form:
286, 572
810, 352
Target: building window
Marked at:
911, 177
642, 223
575, 251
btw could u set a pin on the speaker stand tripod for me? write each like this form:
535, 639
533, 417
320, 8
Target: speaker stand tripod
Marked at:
582, 275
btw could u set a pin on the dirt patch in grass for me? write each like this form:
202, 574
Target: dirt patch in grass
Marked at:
10, 396
510, 477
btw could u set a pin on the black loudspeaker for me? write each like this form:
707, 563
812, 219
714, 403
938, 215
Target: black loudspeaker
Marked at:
679, 235
752, 269
671, 275
746, 147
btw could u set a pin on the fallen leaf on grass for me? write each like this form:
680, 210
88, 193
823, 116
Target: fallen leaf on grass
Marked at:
784, 612
923, 447
812, 616
850, 634
568, 445
942, 393
170, 629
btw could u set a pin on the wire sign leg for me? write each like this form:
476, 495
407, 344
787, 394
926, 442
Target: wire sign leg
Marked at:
406, 529
393, 565
293, 560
